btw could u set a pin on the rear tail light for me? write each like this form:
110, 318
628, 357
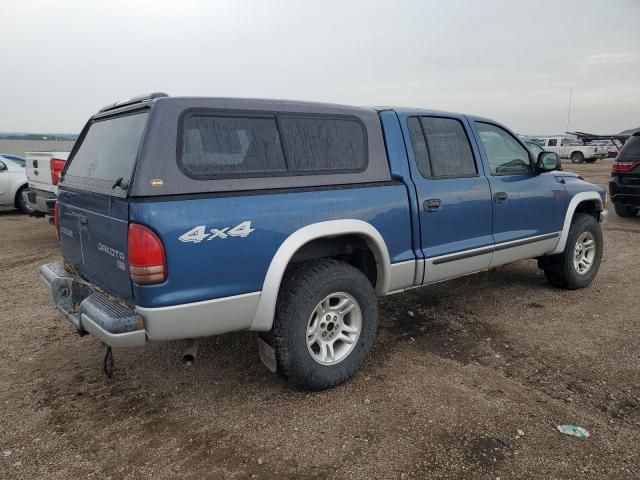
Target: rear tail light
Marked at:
56, 219
147, 263
624, 166
56, 169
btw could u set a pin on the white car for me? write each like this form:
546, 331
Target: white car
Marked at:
13, 183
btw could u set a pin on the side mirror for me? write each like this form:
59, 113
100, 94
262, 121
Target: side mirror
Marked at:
548, 161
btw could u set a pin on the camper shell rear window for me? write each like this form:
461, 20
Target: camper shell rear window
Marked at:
105, 156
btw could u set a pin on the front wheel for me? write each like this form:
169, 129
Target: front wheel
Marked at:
578, 265
577, 157
325, 323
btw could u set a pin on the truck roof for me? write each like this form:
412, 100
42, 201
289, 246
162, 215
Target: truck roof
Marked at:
267, 104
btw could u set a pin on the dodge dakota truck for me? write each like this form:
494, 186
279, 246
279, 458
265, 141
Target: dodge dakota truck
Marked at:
181, 218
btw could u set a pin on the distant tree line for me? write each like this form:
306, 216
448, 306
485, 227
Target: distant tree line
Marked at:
39, 136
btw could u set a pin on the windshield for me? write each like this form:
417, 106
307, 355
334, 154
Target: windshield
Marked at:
107, 153
535, 148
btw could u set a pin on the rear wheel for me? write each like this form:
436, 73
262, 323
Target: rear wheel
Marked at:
21, 201
325, 324
578, 265
577, 157
625, 211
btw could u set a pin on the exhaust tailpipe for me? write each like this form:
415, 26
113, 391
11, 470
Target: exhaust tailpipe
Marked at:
190, 352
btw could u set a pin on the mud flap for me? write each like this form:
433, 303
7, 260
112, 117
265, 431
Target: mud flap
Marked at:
267, 355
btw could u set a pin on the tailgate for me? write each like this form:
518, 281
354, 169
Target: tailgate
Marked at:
38, 165
93, 236
39, 170
93, 209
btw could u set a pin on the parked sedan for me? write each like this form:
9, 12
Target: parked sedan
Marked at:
13, 182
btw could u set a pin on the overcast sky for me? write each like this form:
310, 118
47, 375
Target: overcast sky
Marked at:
513, 61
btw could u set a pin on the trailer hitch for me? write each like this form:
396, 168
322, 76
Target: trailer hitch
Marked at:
107, 364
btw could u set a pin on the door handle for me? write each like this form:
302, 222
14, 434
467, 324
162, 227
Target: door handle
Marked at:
82, 219
432, 205
500, 197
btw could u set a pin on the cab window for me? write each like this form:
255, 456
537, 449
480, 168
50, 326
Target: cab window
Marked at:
441, 148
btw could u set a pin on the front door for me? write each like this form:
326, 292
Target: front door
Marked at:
528, 208
453, 195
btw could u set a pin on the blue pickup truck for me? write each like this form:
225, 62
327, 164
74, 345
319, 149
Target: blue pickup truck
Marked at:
184, 217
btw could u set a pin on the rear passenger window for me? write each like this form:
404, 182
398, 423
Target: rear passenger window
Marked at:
441, 148
213, 146
419, 146
323, 144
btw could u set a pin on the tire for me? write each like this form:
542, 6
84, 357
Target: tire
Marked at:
577, 157
21, 202
302, 327
625, 211
565, 270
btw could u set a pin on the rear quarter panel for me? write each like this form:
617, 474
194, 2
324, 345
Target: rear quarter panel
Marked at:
219, 267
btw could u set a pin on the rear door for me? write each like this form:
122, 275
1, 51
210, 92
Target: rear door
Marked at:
5, 182
92, 206
453, 197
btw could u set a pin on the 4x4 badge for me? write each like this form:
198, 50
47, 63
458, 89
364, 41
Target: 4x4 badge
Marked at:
199, 233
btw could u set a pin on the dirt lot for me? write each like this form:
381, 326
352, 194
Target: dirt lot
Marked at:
457, 370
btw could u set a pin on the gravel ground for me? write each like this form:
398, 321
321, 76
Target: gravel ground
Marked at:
468, 379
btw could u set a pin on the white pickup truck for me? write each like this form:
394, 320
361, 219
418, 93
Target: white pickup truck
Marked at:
43, 173
573, 149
